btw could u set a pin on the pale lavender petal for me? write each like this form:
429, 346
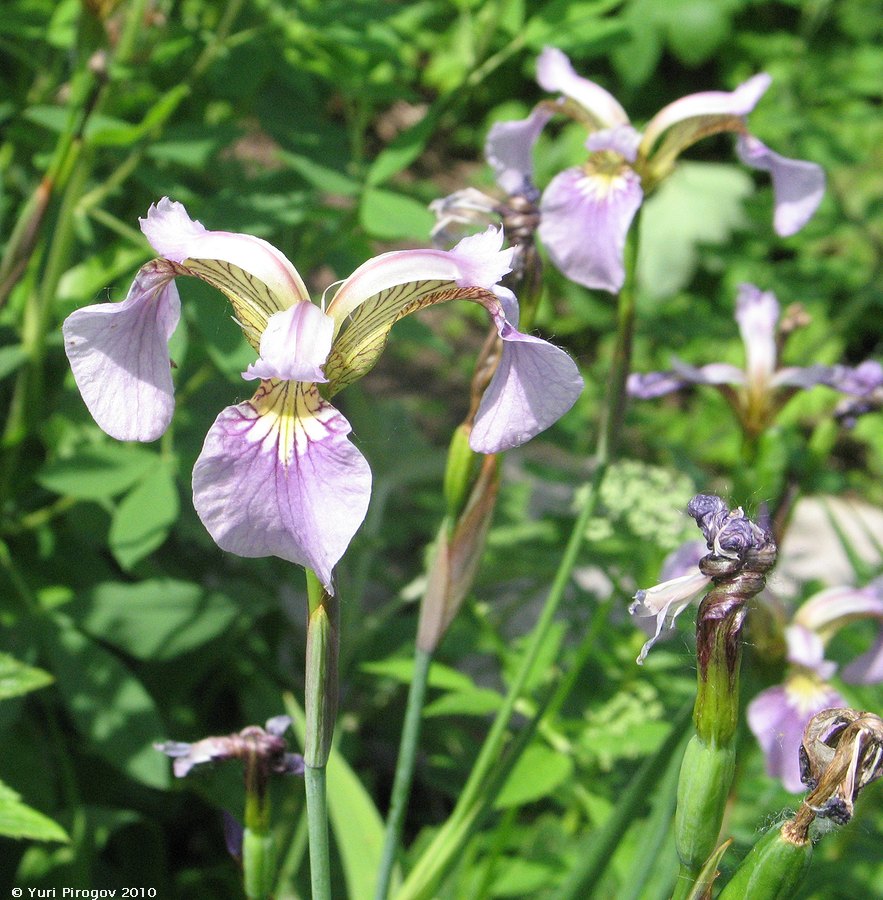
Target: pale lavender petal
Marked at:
509, 150
796, 376
175, 236
798, 186
647, 385
584, 222
829, 610
697, 115
534, 384
713, 373
277, 476
555, 73
476, 261
778, 716
806, 648
622, 140
665, 602
278, 725
294, 345
860, 380
683, 561
757, 313
461, 213
120, 357
867, 668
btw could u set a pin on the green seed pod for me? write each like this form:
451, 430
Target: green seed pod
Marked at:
772, 870
706, 776
258, 864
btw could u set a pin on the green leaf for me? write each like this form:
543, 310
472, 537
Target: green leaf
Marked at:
391, 216
144, 518
16, 678
538, 771
20, 821
699, 203
107, 704
402, 670
97, 472
358, 827
157, 619
325, 179
477, 702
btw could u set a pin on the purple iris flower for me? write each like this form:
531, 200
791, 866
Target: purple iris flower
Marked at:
778, 715
586, 211
762, 388
277, 475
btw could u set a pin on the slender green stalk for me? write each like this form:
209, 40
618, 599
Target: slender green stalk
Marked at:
401, 787
317, 826
444, 847
320, 708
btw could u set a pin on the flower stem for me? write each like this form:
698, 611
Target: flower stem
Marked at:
452, 835
320, 707
401, 788
317, 826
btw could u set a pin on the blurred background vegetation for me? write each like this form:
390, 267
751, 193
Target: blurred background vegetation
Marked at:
327, 127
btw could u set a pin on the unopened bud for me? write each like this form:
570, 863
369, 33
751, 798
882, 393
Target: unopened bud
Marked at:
460, 471
703, 788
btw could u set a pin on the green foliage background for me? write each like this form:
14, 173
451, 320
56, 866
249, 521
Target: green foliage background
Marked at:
327, 127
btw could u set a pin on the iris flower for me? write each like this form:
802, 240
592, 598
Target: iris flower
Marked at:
586, 210
778, 715
759, 391
277, 475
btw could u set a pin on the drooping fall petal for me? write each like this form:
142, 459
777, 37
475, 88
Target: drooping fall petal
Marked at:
778, 716
584, 222
798, 185
277, 476
534, 384
120, 357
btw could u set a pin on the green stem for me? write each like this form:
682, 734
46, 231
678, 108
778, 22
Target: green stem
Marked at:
401, 788
317, 826
320, 708
435, 859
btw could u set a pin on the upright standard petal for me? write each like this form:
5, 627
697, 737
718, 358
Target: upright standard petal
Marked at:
778, 716
509, 150
534, 384
294, 345
699, 115
556, 74
757, 313
277, 476
798, 185
120, 357
175, 236
584, 222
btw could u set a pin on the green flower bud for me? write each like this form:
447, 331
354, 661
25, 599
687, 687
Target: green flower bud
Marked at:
258, 864
773, 869
460, 471
703, 787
